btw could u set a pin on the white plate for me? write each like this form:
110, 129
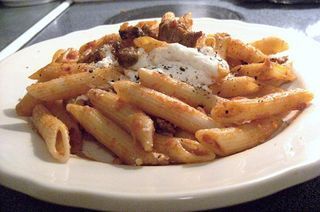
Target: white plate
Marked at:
290, 158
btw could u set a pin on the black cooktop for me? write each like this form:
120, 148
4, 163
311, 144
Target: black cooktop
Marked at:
178, 9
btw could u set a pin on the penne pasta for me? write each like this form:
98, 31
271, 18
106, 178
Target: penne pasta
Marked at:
241, 110
179, 133
163, 106
57, 54
233, 62
133, 120
113, 137
227, 141
70, 55
55, 70
181, 150
148, 43
270, 45
26, 105
72, 85
220, 42
265, 90
268, 72
244, 52
53, 131
180, 90
58, 109
232, 86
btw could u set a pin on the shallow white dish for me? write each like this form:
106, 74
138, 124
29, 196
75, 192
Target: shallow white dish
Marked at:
290, 158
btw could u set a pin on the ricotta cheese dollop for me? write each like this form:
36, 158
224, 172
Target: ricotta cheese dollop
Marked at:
198, 68
109, 58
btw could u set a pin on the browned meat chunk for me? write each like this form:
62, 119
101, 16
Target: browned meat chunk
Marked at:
145, 28
95, 56
163, 126
178, 31
130, 32
126, 54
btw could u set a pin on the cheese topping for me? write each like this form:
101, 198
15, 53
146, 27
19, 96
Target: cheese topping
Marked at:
109, 59
197, 68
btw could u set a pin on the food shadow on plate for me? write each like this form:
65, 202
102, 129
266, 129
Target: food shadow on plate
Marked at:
10, 112
39, 147
19, 127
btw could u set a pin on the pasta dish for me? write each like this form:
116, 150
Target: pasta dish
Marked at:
159, 93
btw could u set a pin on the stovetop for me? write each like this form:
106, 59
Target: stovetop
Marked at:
86, 15
78, 16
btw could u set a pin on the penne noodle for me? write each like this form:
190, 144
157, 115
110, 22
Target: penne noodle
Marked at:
179, 133
148, 43
180, 90
233, 62
131, 119
227, 141
244, 52
252, 70
72, 85
181, 150
26, 105
58, 109
55, 70
57, 54
265, 90
270, 45
53, 131
163, 106
114, 137
70, 55
232, 86
220, 43
267, 72
241, 110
